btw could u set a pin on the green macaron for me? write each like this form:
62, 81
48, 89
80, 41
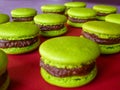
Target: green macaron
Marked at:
18, 37
65, 65
74, 4
23, 14
103, 10
106, 34
51, 24
53, 8
4, 18
114, 18
3, 62
4, 78
78, 16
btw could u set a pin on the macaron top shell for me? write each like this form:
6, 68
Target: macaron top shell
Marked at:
68, 51
4, 18
3, 62
104, 8
75, 4
18, 31
81, 13
102, 29
115, 18
50, 19
23, 12
53, 8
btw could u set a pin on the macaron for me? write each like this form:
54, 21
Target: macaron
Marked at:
23, 14
78, 16
19, 37
53, 8
103, 10
114, 18
51, 24
4, 78
74, 4
4, 18
106, 34
71, 63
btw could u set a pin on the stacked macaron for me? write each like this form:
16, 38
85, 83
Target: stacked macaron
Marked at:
51, 24
78, 16
106, 34
71, 63
19, 37
4, 18
103, 10
23, 14
53, 8
4, 77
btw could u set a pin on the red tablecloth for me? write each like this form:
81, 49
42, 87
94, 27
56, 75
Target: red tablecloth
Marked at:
24, 71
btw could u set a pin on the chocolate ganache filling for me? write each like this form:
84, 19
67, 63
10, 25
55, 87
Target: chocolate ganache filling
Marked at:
64, 72
95, 38
50, 27
62, 12
17, 43
21, 19
3, 78
104, 14
76, 20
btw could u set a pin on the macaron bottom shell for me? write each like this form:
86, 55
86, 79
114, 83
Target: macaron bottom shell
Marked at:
101, 18
110, 49
79, 25
20, 50
53, 33
5, 85
69, 82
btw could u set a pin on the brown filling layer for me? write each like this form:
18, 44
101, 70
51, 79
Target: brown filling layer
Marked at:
50, 27
75, 20
100, 40
3, 78
104, 14
21, 19
55, 12
64, 72
17, 43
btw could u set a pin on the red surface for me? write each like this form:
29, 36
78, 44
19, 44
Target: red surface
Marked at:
24, 71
